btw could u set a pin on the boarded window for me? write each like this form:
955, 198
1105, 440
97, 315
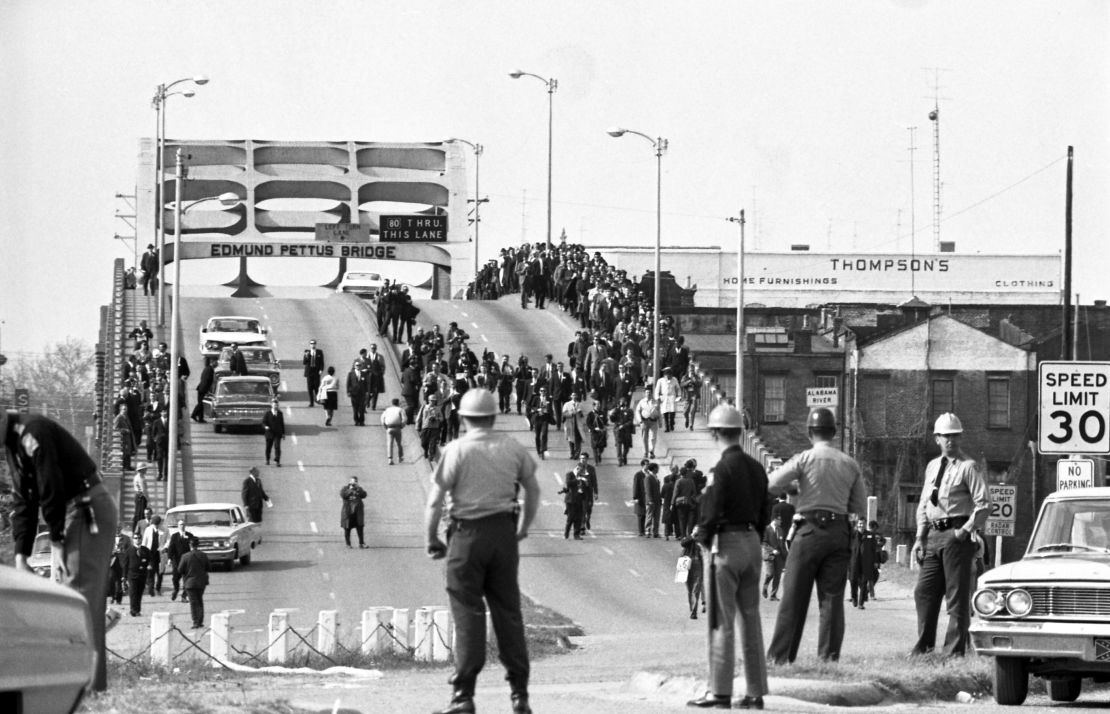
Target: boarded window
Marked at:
774, 398
998, 402
942, 397
825, 381
873, 404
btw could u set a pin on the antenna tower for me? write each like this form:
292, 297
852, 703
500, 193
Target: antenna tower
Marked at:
934, 116
913, 210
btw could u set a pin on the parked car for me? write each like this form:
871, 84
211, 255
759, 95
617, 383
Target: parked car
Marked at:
239, 401
361, 283
219, 332
1048, 614
223, 530
47, 654
40, 560
260, 361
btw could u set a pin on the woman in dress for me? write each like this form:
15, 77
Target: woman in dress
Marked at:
329, 390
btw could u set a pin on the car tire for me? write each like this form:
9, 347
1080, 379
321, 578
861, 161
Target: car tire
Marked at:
231, 561
246, 559
1011, 680
1064, 690
217, 428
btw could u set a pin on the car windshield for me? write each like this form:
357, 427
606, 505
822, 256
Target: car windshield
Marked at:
244, 391
204, 518
257, 356
364, 276
230, 325
1072, 526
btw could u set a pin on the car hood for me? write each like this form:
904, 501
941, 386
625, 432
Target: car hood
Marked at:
240, 338
210, 531
1090, 567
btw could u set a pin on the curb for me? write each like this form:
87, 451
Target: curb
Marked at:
817, 691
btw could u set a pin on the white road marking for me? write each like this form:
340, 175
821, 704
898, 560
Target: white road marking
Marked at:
634, 573
300, 465
267, 317
312, 525
320, 552
284, 386
464, 314
307, 497
607, 551
325, 576
293, 437
273, 343
657, 589
331, 595
475, 325
485, 338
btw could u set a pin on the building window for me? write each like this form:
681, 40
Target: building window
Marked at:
825, 381
998, 403
774, 398
942, 397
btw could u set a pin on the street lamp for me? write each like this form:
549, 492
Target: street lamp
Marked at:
740, 342
552, 84
161, 93
660, 146
478, 200
227, 199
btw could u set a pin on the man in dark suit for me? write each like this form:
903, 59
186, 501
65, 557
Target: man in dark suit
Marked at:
194, 576
177, 547
254, 496
204, 386
375, 376
273, 424
313, 362
149, 265
238, 363
160, 437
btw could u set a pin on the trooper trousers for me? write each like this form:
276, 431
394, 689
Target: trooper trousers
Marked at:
736, 599
482, 564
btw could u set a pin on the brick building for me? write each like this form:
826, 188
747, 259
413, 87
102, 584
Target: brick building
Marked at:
900, 381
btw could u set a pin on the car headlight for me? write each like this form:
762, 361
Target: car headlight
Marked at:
987, 602
1019, 602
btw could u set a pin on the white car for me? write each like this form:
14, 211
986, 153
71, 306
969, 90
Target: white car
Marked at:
362, 283
224, 533
220, 332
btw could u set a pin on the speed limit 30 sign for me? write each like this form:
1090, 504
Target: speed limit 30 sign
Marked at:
1074, 408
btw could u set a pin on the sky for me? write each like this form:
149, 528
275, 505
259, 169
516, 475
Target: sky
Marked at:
797, 112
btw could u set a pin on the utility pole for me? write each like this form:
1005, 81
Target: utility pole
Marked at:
1065, 333
913, 212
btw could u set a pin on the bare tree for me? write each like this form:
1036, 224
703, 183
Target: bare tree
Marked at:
62, 383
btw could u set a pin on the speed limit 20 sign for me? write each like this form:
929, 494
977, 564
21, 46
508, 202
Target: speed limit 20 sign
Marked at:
1074, 408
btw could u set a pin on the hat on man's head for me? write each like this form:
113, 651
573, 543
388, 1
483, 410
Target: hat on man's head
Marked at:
150, 246
254, 471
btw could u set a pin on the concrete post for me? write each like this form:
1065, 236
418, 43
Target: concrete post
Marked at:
220, 637
160, 649
377, 625
423, 634
903, 555
872, 508
326, 630
278, 650
401, 623
441, 635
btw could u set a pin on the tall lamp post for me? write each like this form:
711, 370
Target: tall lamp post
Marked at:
740, 342
227, 199
660, 146
161, 94
478, 200
552, 84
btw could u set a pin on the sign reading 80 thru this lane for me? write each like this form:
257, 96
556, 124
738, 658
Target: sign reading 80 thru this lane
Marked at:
1074, 408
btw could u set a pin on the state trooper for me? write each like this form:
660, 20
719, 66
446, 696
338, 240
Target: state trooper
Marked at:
830, 486
483, 471
53, 474
953, 505
734, 511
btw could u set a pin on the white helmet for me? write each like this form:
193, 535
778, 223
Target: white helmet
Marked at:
477, 403
725, 416
948, 423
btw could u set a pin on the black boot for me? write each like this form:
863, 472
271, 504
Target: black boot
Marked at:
461, 703
520, 703
711, 701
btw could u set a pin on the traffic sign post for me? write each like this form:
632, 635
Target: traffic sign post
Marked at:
1074, 473
1074, 408
23, 400
1003, 509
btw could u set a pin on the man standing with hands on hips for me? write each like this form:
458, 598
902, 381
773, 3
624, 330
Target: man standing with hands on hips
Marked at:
734, 511
273, 423
483, 471
313, 362
953, 504
254, 496
830, 486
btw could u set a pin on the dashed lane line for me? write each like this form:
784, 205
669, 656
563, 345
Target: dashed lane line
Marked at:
325, 576
307, 497
464, 314
475, 325
312, 526
634, 573
660, 591
608, 551
293, 437
300, 465
485, 338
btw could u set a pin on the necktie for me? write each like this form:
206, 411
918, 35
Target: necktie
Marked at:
154, 541
934, 496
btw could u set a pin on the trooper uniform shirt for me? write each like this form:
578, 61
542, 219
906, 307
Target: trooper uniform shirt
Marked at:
481, 470
828, 480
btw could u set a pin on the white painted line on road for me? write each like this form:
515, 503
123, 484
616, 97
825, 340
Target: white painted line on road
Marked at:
285, 388
293, 437
556, 535
325, 576
657, 589
464, 314
485, 338
307, 497
300, 465
273, 342
634, 573
312, 525
607, 551
267, 317
320, 552
475, 325
331, 595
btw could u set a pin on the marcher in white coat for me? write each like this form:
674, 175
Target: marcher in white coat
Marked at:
667, 393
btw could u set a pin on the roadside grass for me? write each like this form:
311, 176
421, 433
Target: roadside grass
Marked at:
905, 678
